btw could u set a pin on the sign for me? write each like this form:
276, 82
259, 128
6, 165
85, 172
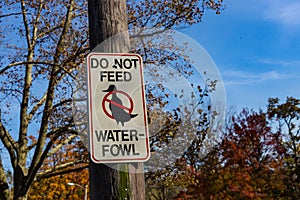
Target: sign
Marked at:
118, 129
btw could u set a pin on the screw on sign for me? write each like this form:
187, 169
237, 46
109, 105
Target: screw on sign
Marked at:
119, 112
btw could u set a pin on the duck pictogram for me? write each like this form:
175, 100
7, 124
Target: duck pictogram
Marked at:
116, 107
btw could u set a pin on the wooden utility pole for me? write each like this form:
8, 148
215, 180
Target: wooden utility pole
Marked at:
108, 18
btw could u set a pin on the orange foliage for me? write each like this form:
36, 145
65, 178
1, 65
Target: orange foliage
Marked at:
57, 187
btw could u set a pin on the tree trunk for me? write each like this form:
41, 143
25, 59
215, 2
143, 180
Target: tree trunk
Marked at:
137, 181
4, 189
107, 19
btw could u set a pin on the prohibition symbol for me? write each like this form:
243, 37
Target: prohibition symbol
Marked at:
105, 99
119, 112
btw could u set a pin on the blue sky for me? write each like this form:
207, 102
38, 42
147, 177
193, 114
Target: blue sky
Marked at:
256, 46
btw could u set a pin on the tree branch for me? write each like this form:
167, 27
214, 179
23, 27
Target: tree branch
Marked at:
61, 144
49, 174
36, 22
25, 21
4, 189
34, 167
9, 143
48, 31
44, 98
36, 107
39, 153
10, 14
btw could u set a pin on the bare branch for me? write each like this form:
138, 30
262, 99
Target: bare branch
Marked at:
10, 14
62, 103
50, 89
4, 69
67, 24
26, 25
27, 83
9, 143
44, 98
36, 22
59, 146
50, 30
36, 107
49, 174
34, 167
24, 63
64, 166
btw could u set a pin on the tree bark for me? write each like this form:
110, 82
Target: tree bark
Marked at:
4, 189
108, 20
137, 181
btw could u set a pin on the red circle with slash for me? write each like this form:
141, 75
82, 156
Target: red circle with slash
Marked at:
105, 99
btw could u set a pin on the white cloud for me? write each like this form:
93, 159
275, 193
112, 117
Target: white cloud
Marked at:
244, 78
284, 12
285, 63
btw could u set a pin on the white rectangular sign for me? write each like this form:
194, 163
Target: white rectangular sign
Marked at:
118, 128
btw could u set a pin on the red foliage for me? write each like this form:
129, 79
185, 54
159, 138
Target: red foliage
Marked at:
246, 165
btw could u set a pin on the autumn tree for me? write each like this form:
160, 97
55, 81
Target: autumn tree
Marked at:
247, 164
253, 154
55, 185
43, 46
285, 117
58, 187
181, 141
